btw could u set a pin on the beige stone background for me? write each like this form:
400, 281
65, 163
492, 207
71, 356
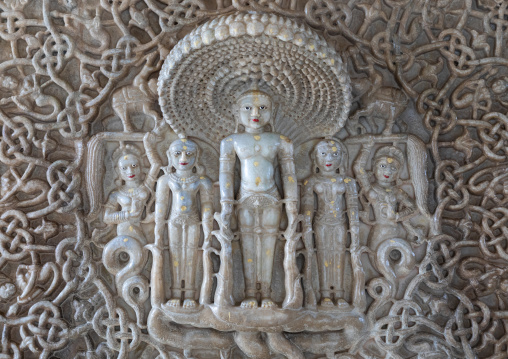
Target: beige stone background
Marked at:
60, 63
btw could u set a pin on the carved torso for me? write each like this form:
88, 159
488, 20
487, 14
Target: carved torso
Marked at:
257, 154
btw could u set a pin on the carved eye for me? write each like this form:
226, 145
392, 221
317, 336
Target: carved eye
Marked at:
124, 168
262, 107
247, 108
336, 154
323, 153
190, 154
382, 166
134, 165
178, 153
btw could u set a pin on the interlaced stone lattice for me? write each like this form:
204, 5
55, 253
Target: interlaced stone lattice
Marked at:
62, 61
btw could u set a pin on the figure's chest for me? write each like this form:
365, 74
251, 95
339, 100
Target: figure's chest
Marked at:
257, 145
384, 196
124, 200
185, 188
330, 189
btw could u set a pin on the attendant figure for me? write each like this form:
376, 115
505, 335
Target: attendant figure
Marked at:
392, 206
177, 205
124, 256
126, 203
336, 196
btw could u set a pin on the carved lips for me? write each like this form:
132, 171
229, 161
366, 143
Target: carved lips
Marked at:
132, 176
387, 176
184, 163
255, 120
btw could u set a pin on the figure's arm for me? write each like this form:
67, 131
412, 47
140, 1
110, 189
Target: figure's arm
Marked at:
409, 209
111, 213
407, 205
352, 210
307, 204
361, 162
138, 203
226, 179
149, 142
162, 198
206, 197
287, 166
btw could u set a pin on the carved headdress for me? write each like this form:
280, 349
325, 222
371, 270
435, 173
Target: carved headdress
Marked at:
207, 70
390, 152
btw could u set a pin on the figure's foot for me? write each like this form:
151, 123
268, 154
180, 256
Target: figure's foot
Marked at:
326, 302
174, 302
268, 303
249, 303
341, 303
189, 304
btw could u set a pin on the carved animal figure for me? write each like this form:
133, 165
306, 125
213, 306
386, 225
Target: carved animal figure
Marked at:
139, 97
385, 103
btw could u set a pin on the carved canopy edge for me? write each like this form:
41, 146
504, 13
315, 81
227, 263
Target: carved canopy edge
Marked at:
211, 66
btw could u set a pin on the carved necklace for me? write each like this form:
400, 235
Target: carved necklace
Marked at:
132, 192
183, 181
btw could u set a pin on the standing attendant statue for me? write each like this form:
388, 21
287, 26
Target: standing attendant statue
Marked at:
177, 193
259, 203
329, 222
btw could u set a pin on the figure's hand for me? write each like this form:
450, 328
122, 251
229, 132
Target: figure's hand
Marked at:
149, 138
369, 143
292, 214
225, 216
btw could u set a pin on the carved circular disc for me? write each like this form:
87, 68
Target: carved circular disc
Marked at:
210, 67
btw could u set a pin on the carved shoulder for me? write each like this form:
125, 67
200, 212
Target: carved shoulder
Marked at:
206, 183
286, 147
227, 147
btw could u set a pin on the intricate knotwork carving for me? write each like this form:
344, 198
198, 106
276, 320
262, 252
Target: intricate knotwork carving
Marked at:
77, 82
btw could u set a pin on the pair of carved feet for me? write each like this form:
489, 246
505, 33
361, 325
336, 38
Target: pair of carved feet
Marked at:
187, 303
328, 302
251, 303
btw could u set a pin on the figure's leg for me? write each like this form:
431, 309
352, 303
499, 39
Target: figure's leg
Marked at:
338, 240
246, 220
270, 221
324, 261
190, 265
175, 254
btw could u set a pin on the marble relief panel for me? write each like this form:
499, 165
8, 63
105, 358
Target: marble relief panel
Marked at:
253, 179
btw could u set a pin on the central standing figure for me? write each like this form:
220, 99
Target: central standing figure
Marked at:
259, 203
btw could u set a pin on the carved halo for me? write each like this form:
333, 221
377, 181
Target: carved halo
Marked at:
210, 67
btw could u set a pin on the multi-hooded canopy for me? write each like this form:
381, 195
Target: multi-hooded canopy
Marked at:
209, 68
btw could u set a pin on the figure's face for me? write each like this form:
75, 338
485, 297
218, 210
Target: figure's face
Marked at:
328, 156
183, 154
387, 169
129, 168
255, 111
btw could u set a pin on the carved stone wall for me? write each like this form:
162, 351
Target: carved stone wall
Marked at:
83, 270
